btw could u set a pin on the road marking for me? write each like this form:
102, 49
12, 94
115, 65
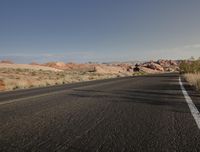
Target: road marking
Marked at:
193, 109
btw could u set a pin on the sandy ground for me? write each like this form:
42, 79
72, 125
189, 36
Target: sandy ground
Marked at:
27, 66
21, 76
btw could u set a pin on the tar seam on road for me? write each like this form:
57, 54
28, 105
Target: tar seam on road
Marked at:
193, 109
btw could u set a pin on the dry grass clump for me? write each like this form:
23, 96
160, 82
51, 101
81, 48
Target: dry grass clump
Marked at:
193, 79
191, 71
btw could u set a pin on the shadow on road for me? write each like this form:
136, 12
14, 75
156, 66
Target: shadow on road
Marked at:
168, 96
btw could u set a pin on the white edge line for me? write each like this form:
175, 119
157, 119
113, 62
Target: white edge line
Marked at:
193, 109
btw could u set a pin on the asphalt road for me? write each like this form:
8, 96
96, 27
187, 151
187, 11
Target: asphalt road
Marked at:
146, 113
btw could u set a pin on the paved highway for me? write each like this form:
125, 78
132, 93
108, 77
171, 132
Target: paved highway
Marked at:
146, 113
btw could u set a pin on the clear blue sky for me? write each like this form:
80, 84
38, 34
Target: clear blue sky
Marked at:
99, 30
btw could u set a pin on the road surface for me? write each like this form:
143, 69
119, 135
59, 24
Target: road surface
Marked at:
146, 113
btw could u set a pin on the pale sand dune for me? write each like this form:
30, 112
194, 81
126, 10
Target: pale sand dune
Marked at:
104, 69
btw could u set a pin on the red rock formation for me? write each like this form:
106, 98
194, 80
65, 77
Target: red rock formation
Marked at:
2, 86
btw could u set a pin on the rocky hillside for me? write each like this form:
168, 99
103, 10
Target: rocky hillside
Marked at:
117, 67
160, 66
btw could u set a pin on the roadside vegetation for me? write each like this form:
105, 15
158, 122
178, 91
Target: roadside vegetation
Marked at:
191, 71
12, 79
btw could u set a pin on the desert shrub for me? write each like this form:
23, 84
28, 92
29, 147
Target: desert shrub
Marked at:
190, 66
191, 71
